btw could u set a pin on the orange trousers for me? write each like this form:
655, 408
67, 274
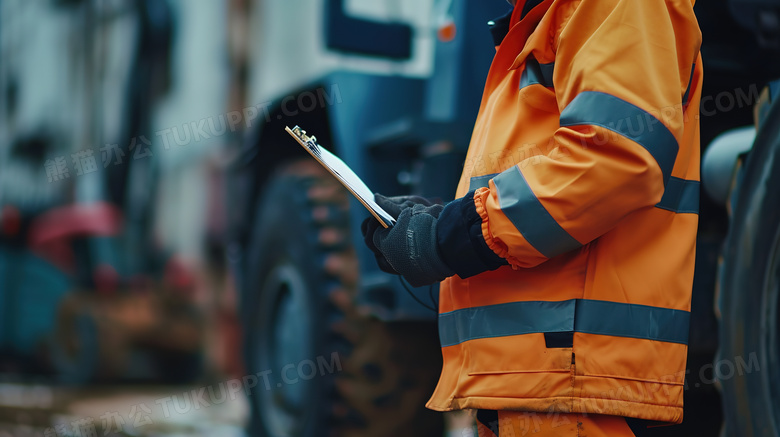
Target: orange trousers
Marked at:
521, 424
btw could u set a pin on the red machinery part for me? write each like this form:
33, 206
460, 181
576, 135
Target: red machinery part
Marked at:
10, 220
51, 232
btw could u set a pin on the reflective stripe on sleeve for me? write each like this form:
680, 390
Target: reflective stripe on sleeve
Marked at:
578, 315
478, 182
601, 109
518, 202
688, 88
681, 196
536, 73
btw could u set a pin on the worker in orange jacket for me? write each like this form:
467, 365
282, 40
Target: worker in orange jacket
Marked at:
567, 257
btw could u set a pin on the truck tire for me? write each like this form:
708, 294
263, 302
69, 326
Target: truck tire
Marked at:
84, 346
321, 366
75, 346
748, 363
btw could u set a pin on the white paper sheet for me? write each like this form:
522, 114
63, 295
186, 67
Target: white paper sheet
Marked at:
343, 173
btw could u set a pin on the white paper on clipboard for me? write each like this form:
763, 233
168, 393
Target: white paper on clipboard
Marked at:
343, 173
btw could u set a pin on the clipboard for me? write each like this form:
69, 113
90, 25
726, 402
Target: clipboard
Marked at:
343, 173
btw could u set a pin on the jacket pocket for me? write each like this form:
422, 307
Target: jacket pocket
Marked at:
517, 354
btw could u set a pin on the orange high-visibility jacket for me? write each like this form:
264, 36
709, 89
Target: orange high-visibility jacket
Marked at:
584, 162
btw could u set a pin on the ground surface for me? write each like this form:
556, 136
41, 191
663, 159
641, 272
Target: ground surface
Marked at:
216, 410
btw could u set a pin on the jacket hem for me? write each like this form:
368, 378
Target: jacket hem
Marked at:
565, 404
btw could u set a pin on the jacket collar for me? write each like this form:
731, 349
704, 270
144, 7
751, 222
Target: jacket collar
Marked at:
500, 26
527, 6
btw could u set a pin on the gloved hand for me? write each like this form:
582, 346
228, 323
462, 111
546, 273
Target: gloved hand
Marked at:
393, 205
409, 248
429, 241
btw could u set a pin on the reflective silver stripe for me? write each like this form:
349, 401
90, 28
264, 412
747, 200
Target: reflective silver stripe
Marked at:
478, 182
681, 196
577, 315
531, 219
601, 109
536, 73
507, 319
630, 320
688, 88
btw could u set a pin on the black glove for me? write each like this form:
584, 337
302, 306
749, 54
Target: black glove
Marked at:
411, 248
408, 248
393, 206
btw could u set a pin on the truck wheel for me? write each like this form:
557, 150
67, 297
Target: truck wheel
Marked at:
75, 347
83, 348
748, 362
320, 366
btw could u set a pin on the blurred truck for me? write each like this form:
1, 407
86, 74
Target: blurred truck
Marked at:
741, 170
393, 88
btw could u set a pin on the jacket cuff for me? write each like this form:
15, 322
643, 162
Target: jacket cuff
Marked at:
461, 244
